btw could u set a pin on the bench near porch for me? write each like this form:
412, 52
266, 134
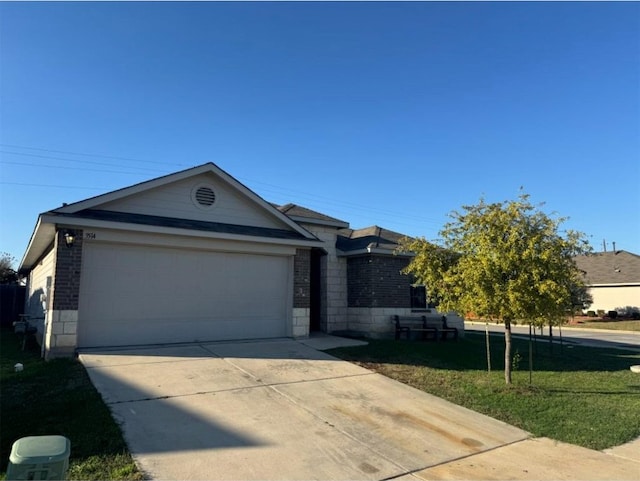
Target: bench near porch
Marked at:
429, 327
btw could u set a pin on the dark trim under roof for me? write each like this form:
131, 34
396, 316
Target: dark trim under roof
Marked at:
369, 237
302, 214
141, 219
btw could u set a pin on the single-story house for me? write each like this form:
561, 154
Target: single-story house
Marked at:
613, 279
197, 256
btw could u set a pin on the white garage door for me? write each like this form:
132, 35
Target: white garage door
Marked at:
133, 295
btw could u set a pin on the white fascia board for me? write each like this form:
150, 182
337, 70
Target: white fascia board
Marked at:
621, 284
100, 224
43, 234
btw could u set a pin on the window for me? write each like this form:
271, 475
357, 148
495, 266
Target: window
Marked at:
418, 297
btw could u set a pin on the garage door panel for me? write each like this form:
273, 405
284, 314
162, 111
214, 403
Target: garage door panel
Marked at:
144, 295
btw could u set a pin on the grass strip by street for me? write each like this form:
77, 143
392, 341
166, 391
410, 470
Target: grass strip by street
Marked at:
609, 324
579, 395
57, 397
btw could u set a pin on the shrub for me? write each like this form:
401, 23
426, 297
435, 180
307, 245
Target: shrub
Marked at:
591, 313
612, 314
629, 312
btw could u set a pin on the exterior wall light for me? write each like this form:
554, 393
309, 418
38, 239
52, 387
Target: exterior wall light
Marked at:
69, 238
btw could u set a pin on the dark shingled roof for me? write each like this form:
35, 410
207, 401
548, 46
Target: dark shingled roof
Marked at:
374, 236
619, 267
294, 210
155, 220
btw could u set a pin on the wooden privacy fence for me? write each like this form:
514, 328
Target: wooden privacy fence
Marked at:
11, 303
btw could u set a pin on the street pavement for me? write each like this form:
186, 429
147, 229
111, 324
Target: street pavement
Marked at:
574, 335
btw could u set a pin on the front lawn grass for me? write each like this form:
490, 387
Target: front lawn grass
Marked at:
57, 397
583, 396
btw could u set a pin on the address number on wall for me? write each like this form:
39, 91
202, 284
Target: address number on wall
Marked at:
89, 235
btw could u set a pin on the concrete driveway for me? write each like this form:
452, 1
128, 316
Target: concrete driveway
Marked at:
282, 410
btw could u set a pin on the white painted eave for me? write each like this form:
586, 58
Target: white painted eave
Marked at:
81, 223
41, 238
47, 224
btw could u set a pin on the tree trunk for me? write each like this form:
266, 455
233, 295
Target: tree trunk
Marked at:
507, 351
530, 355
486, 336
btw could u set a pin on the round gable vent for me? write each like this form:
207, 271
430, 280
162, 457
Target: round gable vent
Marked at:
203, 196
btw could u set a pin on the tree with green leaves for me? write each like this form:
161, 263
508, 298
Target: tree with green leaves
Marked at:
7, 274
506, 261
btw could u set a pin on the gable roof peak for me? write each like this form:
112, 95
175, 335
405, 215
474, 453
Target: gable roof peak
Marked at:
141, 186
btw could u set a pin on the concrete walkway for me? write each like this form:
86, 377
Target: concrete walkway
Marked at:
283, 410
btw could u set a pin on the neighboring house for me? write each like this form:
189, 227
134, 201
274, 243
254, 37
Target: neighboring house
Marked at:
197, 256
613, 279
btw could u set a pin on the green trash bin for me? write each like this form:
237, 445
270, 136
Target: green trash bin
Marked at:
39, 457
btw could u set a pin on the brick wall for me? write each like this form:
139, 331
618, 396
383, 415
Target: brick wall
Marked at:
60, 336
67, 273
376, 281
301, 278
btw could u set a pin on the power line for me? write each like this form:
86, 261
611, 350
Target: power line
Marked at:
108, 164
344, 205
22, 184
90, 155
391, 218
8, 162
283, 190
288, 192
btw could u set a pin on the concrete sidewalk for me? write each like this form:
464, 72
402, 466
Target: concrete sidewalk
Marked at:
282, 410
536, 459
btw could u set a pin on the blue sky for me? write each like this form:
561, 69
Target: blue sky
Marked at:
392, 114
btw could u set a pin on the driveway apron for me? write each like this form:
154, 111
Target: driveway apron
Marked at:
279, 410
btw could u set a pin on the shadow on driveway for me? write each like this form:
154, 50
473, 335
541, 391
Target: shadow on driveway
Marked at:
278, 409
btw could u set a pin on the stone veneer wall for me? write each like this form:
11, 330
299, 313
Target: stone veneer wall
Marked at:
333, 315
376, 321
301, 293
60, 337
300, 319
